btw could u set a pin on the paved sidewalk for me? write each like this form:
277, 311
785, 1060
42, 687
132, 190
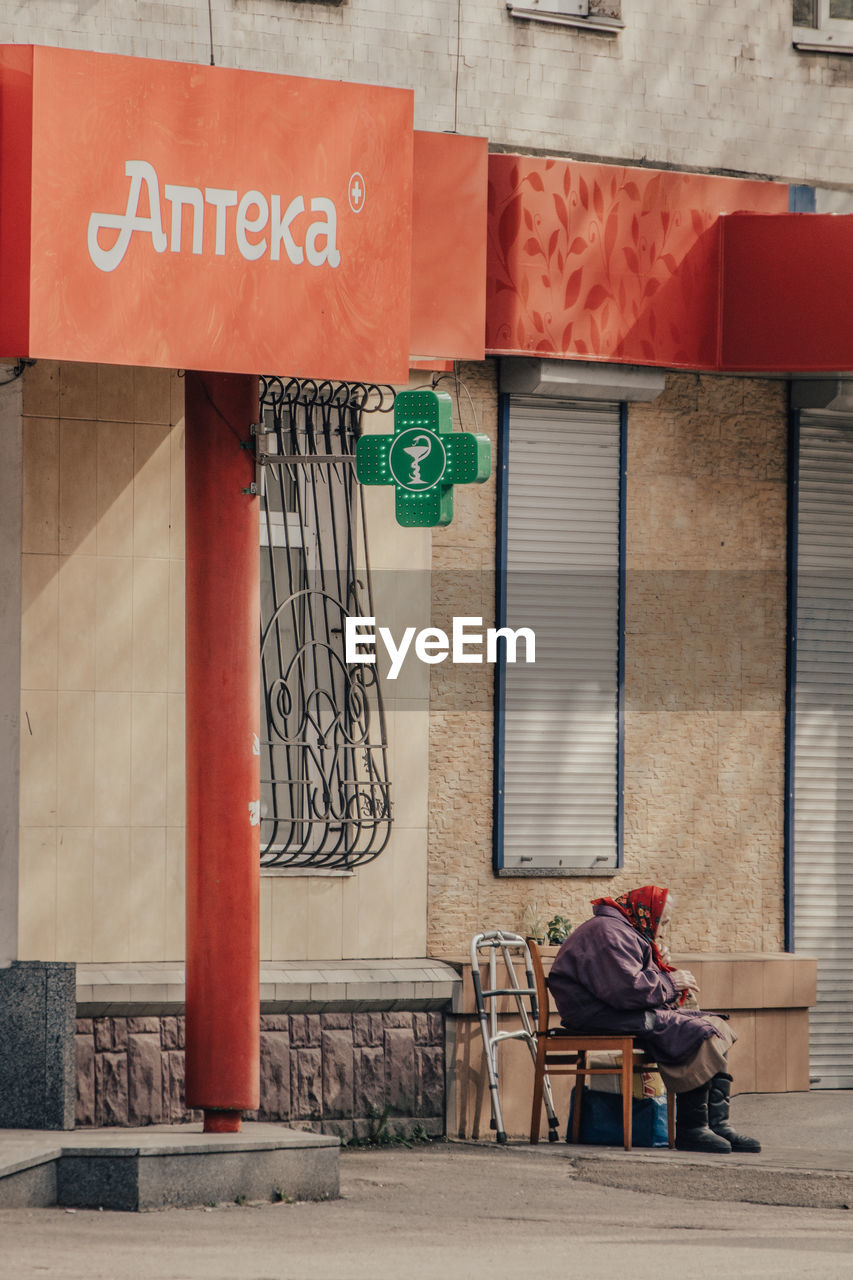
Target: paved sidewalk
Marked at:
447, 1211
806, 1158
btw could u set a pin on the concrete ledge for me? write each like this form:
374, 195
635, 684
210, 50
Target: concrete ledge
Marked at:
160, 1167
33, 1187
718, 1178
309, 986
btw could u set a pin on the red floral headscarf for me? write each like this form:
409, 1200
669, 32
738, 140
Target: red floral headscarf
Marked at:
643, 909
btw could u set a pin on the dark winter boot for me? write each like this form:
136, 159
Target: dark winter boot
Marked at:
718, 1114
691, 1123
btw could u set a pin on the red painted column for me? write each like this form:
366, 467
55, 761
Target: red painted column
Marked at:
223, 762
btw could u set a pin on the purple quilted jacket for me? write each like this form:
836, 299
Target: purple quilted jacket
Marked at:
604, 980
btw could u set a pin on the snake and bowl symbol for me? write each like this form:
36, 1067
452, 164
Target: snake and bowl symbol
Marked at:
418, 450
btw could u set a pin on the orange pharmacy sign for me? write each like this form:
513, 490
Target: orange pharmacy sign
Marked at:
167, 214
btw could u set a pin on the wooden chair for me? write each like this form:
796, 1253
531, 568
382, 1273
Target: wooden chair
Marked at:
558, 1052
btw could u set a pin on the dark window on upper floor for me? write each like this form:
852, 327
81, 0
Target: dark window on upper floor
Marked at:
823, 25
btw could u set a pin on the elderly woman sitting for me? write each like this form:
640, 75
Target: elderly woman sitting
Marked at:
612, 976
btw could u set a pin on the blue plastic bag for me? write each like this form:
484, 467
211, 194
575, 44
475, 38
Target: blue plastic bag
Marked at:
601, 1120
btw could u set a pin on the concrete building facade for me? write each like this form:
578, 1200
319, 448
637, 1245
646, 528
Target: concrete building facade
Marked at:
720, 87
362, 993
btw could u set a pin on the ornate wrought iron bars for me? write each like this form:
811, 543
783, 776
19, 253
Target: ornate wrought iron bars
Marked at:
325, 789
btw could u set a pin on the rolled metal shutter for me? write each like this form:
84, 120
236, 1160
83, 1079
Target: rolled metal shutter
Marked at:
823, 736
563, 573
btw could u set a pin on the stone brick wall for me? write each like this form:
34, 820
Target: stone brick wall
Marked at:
705, 656
332, 1072
694, 84
462, 890
130, 1071
705, 683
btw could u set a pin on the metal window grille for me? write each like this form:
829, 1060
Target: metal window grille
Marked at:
325, 789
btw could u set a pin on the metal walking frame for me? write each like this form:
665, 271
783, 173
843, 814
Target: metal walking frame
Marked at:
512, 948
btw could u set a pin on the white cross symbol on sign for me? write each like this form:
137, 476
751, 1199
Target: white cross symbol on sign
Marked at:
356, 193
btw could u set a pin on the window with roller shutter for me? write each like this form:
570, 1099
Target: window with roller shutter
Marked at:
823, 735
558, 757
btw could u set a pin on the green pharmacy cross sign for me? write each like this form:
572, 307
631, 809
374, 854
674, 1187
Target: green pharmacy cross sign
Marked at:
423, 459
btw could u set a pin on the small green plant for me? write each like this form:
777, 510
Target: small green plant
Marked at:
559, 929
279, 1196
240, 1200
532, 924
379, 1134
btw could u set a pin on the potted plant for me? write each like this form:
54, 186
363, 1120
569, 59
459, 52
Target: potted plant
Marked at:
558, 929
532, 923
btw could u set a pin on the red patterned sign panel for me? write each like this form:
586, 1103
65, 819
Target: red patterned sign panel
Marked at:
601, 262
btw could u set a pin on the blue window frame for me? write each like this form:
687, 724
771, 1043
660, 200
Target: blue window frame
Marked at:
559, 724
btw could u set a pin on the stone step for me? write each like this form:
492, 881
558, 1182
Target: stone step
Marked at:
162, 1166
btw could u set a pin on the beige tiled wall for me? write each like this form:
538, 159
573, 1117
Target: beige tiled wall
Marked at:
102, 686
102, 764
102, 767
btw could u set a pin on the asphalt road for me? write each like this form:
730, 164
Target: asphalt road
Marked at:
448, 1212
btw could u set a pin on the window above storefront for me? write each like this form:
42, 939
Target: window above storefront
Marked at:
604, 17
823, 26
